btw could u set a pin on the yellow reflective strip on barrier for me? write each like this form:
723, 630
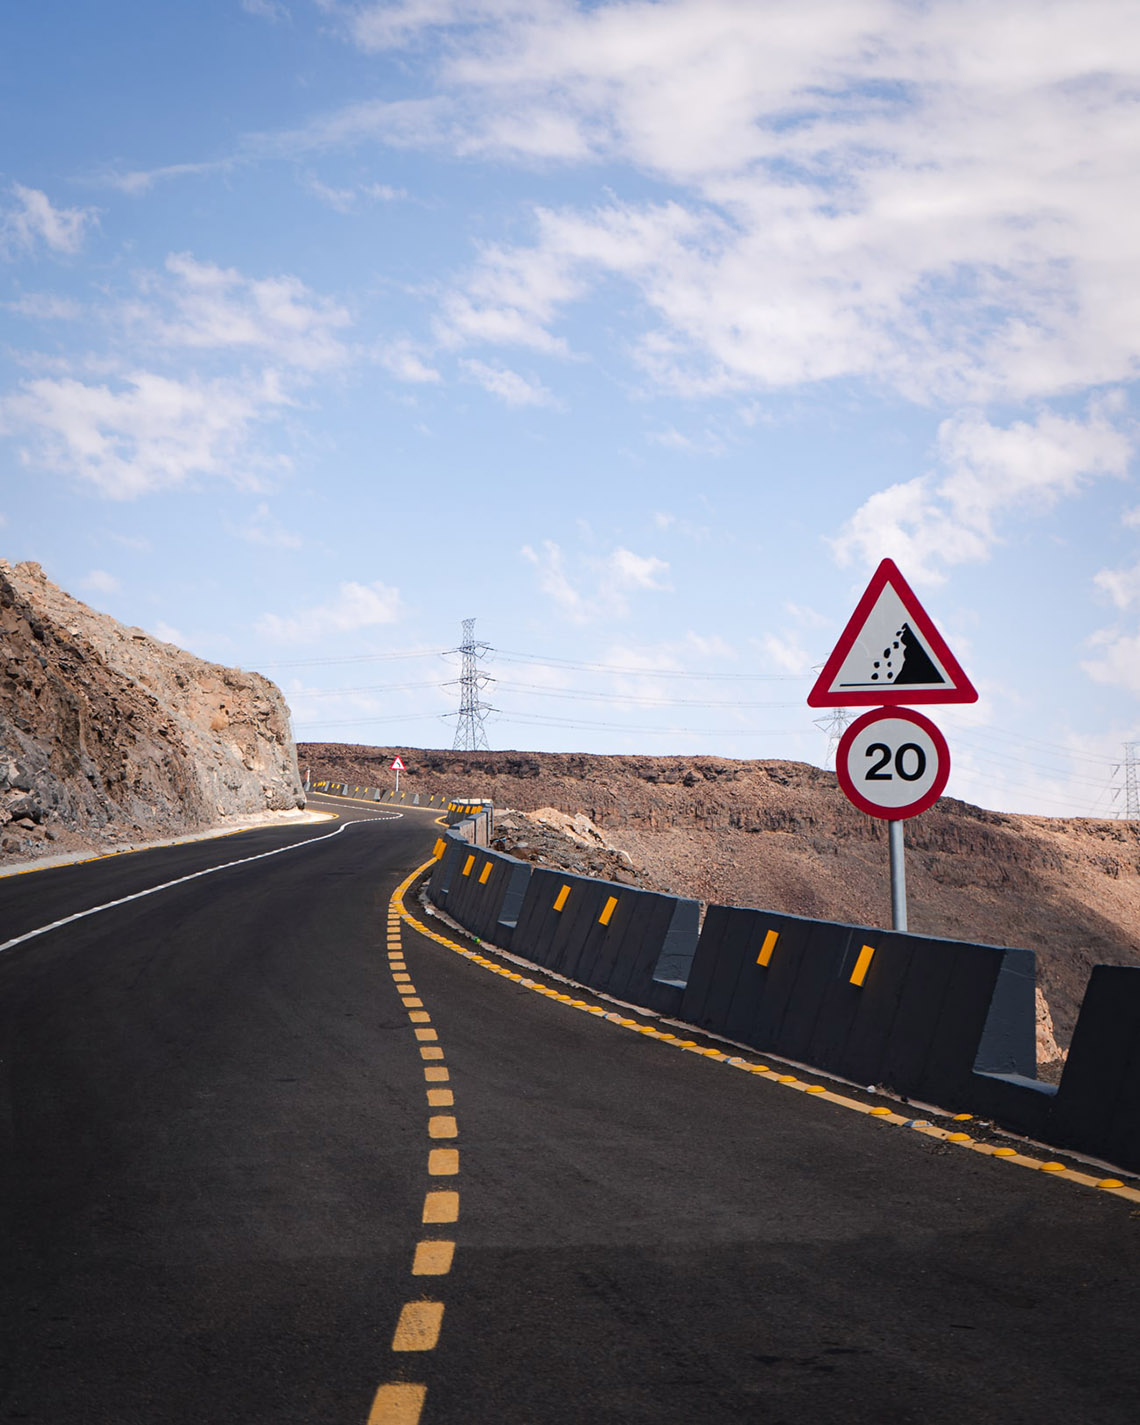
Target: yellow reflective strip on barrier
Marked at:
562, 897
439, 848
766, 949
862, 964
608, 910
467, 865
485, 872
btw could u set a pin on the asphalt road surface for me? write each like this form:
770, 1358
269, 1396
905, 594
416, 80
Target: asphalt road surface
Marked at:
227, 1108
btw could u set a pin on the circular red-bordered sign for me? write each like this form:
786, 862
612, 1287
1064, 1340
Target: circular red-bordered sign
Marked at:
893, 763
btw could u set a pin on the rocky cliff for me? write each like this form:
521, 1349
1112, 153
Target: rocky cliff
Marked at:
781, 834
107, 733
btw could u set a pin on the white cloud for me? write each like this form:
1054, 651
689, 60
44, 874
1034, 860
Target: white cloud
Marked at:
35, 219
786, 654
508, 385
511, 297
143, 433
45, 307
636, 571
266, 10
200, 305
688, 529
356, 606
404, 361
609, 580
1118, 663
387, 25
143, 179
265, 529
190, 399
100, 582
988, 474
139, 543
935, 197
347, 200
707, 443
1121, 585
400, 123
553, 579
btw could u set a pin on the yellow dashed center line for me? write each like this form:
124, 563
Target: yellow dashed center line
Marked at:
433, 1259
418, 1326
397, 1405
420, 1322
441, 1207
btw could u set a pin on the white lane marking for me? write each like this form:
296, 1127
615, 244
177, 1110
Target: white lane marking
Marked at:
181, 880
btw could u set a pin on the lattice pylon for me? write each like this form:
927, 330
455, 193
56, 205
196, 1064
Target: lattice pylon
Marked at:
470, 734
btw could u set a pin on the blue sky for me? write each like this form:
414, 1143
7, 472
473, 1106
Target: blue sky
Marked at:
639, 332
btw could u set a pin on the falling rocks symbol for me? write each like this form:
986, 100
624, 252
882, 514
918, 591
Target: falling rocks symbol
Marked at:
917, 665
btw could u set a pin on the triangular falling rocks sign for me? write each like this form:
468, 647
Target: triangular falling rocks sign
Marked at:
890, 653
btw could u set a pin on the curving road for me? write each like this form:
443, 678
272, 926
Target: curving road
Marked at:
227, 1107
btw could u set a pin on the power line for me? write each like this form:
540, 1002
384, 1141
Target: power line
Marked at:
368, 721
988, 730
537, 690
364, 688
359, 658
537, 720
507, 656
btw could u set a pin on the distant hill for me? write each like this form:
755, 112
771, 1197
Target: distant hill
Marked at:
782, 835
108, 734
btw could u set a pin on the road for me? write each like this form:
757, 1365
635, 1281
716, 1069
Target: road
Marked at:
226, 1107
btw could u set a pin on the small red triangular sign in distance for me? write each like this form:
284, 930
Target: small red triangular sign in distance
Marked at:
398, 765
890, 654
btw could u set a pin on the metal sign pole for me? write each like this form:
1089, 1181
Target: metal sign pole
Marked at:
898, 875
397, 781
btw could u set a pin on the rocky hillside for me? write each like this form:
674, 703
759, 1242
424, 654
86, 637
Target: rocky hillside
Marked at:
781, 834
106, 733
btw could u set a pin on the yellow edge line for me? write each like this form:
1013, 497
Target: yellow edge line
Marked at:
368, 802
1000, 1153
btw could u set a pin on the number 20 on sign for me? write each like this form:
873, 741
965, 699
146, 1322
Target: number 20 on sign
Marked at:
893, 763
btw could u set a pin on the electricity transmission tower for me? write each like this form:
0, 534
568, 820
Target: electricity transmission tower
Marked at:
470, 735
835, 725
1131, 765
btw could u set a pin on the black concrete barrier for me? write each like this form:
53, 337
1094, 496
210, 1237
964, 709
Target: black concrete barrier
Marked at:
608, 936
1098, 1104
908, 1012
485, 891
446, 868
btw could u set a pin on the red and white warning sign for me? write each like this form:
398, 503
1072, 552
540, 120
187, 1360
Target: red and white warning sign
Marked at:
890, 653
397, 765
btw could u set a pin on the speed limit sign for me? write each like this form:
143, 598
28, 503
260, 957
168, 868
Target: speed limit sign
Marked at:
893, 763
